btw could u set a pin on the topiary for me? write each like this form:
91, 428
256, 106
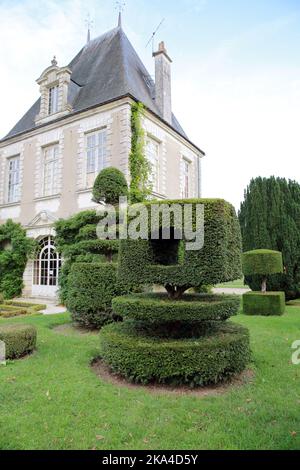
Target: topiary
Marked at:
176, 337
109, 186
18, 339
266, 304
263, 263
91, 288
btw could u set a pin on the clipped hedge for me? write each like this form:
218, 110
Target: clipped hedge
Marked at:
157, 308
168, 262
19, 339
269, 303
8, 311
262, 262
196, 361
109, 185
91, 288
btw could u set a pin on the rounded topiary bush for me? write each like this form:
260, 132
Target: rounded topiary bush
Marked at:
109, 186
91, 288
215, 356
262, 262
19, 340
158, 308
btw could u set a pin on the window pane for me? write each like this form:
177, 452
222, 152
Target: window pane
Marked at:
53, 100
95, 153
13, 179
51, 161
152, 154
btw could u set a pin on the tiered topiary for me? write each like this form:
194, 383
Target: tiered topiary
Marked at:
88, 281
263, 263
176, 337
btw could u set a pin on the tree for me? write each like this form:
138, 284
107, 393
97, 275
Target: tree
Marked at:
109, 186
262, 262
270, 219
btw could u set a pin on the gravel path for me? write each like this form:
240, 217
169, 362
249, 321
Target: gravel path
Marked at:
230, 290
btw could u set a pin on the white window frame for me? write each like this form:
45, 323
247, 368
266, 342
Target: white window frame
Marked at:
47, 264
53, 94
154, 160
51, 170
186, 175
96, 153
13, 179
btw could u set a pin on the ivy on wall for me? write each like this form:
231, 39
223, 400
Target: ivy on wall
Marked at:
15, 249
139, 166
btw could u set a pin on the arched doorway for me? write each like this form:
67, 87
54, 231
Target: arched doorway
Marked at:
46, 268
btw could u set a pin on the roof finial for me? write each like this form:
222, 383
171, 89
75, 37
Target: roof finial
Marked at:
89, 23
120, 5
54, 61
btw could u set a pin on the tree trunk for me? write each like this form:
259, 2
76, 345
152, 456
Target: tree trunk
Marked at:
264, 285
175, 292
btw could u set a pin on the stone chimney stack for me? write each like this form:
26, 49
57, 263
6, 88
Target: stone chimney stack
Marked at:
163, 82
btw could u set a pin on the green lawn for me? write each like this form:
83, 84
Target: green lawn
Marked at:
52, 400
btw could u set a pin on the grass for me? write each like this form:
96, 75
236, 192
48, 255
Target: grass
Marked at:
52, 399
238, 284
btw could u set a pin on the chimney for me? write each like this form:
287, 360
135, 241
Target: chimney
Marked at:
163, 82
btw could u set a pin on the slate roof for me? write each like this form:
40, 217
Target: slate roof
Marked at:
106, 69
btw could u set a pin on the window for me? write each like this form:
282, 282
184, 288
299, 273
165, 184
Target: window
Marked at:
13, 193
51, 162
186, 177
53, 100
95, 154
47, 264
152, 155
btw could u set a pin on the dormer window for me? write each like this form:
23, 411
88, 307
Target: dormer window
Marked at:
53, 99
54, 88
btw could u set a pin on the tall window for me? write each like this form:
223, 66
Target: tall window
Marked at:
13, 193
186, 179
95, 154
47, 264
51, 162
53, 100
152, 155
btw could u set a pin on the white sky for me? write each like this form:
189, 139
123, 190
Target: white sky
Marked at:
236, 90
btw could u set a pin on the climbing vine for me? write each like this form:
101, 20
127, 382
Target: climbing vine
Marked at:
15, 248
139, 166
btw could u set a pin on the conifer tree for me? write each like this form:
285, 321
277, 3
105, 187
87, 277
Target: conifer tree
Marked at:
270, 219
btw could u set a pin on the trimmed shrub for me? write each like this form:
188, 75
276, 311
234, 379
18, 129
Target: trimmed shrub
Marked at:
259, 303
262, 262
157, 308
26, 305
196, 361
167, 262
109, 186
19, 340
91, 288
8, 311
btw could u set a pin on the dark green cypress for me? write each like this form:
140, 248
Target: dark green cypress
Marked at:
270, 218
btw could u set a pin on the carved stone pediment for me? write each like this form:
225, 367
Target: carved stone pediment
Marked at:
42, 218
